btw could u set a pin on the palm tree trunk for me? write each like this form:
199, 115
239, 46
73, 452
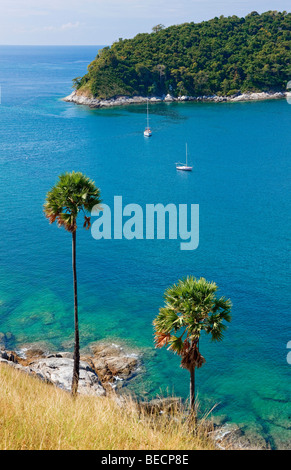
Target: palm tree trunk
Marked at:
75, 380
193, 415
192, 390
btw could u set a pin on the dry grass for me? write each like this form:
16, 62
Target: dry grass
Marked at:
38, 416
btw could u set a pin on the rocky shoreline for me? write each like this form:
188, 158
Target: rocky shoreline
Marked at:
87, 100
105, 368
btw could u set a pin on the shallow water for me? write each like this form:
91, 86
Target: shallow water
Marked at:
240, 153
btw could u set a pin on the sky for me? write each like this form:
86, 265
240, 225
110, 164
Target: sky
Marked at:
101, 22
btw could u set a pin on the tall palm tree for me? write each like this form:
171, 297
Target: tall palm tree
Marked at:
191, 307
73, 193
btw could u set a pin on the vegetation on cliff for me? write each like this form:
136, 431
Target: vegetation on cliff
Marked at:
220, 56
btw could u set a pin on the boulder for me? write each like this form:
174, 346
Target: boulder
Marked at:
169, 97
112, 363
10, 356
232, 437
58, 370
161, 405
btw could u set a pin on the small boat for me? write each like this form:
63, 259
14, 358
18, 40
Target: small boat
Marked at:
184, 166
147, 131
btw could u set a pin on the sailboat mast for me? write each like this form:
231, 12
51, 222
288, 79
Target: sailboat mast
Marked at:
147, 131
186, 156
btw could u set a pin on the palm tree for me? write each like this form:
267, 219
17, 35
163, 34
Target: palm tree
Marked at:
191, 307
73, 193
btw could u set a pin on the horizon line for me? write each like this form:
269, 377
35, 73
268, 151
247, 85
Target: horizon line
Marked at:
52, 45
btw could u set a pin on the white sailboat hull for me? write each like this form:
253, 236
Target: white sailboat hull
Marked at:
184, 168
147, 133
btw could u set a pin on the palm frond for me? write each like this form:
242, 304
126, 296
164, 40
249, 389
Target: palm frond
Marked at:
191, 306
161, 339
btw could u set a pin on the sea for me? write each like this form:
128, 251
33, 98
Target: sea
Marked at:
240, 153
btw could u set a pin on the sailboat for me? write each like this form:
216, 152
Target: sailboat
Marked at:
184, 166
147, 131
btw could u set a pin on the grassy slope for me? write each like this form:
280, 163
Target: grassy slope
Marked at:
38, 416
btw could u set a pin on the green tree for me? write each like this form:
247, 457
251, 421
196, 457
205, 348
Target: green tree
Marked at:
158, 28
73, 193
191, 307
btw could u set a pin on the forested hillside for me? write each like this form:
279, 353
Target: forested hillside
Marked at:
220, 56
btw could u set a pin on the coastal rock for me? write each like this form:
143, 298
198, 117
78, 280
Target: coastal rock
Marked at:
161, 405
225, 436
9, 356
257, 96
108, 366
113, 363
32, 351
233, 437
74, 97
89, 100
12, 359
58, 370
168, 98
155, 99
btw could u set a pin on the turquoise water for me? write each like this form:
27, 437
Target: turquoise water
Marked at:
240, 153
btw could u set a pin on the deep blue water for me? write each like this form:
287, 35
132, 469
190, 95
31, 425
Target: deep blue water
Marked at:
241, 181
